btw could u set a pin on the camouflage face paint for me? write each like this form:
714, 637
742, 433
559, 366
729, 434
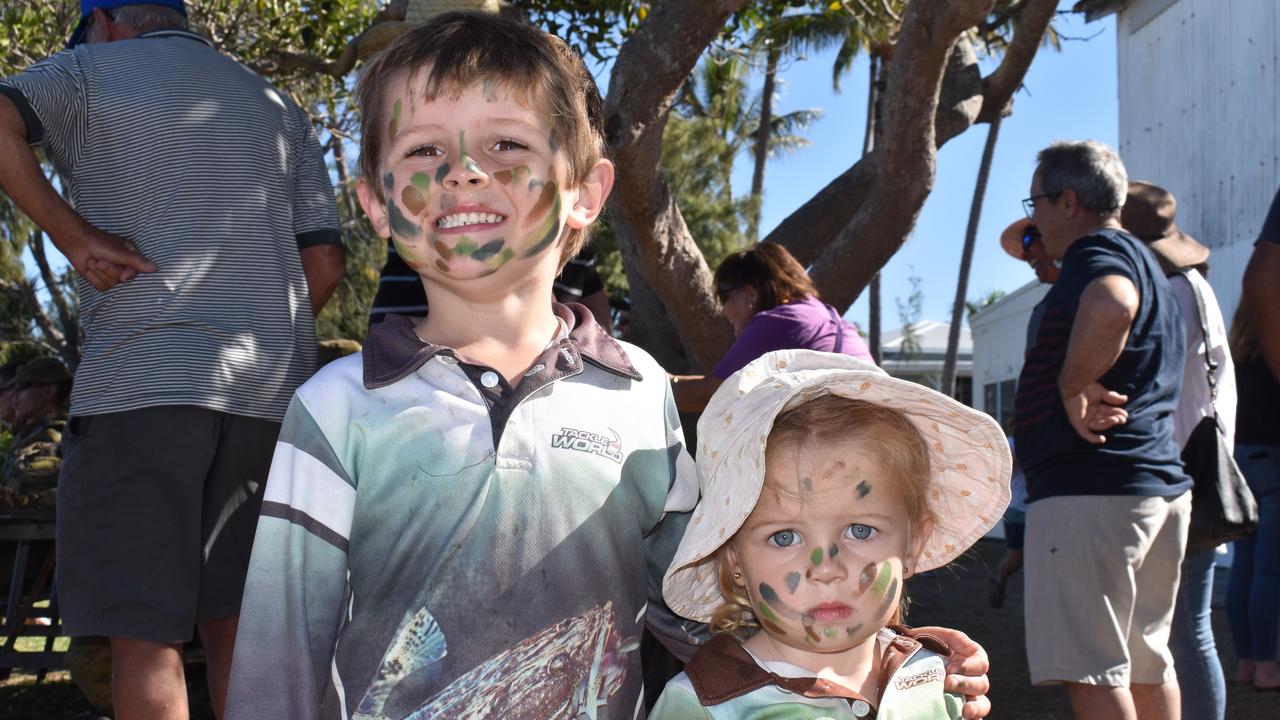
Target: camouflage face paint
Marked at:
886, 572
464, 158
442, 172
514, 175
395, 121
851, 631
889, 599
413, 200
793, 582
421, 180
548, 231
815, 557
488, 250
812, 636
442, 266
866, 577
863, 488
829, 633
400, 225
833, 550
550, 194
770, 596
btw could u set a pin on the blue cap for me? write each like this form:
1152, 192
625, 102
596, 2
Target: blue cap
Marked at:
88, 6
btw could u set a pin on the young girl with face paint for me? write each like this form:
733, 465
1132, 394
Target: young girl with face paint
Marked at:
825, 485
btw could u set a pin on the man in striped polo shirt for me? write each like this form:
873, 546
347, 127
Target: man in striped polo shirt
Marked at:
201, 219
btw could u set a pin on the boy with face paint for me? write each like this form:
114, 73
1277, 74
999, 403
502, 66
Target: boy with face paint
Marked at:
825, 485
470, 518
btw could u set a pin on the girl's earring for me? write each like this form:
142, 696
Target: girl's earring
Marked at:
737, 576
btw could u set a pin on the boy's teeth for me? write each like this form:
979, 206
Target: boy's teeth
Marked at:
460, 219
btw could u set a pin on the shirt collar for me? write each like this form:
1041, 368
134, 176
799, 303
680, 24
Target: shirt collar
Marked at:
393, 351
186, 34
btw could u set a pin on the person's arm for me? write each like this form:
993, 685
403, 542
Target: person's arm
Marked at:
966, 669
1262, 293
322, 264
693, 392
598, 303
102, 258
296, 589
1106, 311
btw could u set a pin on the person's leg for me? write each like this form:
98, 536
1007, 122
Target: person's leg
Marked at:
1100, 702
1264, 593
1159, 702
1195, 656
1153, 681
147, 681
232, 500
129, 545
219, 639
1079, 587
1238, 588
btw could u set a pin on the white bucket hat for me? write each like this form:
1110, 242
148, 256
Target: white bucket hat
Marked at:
968, 456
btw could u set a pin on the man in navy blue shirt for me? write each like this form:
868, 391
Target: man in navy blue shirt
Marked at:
1109, 501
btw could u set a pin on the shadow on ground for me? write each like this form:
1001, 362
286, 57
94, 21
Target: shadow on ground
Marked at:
956, 596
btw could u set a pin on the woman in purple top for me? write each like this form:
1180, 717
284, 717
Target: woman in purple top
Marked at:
768, 298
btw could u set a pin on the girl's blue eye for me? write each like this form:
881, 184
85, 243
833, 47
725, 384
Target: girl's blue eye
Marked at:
860, 532
784, 538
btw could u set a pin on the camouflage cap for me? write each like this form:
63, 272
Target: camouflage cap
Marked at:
41, 371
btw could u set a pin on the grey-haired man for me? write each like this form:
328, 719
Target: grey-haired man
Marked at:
1109, 506
201, 219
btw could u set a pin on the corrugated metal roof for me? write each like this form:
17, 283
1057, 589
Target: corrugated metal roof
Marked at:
1095, 9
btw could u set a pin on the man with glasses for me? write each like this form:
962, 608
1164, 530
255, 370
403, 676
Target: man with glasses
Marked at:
200, 217
1109, 502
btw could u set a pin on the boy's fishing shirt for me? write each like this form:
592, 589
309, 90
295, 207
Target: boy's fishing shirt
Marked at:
435, 542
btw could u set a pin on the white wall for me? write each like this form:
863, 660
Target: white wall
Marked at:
1000, 338
1199, 103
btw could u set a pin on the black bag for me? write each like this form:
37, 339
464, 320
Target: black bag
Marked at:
1222, 507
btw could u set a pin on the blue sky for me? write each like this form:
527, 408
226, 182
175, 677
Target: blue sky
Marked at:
1067, 95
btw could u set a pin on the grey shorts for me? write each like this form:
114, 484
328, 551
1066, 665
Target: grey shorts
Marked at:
156, 514
1101, 579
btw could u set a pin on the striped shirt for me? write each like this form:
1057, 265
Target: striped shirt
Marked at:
218, 178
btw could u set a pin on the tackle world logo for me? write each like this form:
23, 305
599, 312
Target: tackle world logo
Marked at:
589, 442
910, 681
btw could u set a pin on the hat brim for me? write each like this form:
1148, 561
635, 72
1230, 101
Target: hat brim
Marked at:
1177, 250
1011, 238
969, 459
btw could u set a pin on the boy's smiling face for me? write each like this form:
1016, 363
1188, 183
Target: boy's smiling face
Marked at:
473, 181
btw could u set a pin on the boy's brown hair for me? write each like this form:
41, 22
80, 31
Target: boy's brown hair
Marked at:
463, 48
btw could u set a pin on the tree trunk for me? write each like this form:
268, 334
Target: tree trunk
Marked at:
70, 335
762, 142
948, 385
868, 143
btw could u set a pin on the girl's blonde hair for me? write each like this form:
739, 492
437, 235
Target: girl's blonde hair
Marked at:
900, 448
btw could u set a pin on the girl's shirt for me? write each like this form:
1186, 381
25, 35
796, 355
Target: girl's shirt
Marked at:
725, 682
807, 324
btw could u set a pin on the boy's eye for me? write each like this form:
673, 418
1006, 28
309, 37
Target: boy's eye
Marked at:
860, 532
424, 151
507, 145
784, 538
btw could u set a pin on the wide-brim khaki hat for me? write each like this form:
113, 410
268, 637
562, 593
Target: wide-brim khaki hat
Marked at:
968, 454
1150, 212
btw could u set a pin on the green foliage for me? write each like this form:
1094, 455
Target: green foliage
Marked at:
346, 316
910, 311
978, 304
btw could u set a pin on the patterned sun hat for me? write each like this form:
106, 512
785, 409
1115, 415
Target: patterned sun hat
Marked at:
968, 457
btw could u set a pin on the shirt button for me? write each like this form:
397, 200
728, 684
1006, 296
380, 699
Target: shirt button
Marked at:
489, 379
861, 708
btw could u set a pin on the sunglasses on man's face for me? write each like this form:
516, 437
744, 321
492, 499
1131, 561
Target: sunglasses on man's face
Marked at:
1029, 236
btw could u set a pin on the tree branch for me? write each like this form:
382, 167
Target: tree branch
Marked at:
26, 291
906, 150
67, 319
650, 69
999, 86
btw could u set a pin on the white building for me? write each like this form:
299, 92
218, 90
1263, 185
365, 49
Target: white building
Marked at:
921, 360
1199, 92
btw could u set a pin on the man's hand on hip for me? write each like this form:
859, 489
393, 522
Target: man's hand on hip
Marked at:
1095, 411
104, 259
